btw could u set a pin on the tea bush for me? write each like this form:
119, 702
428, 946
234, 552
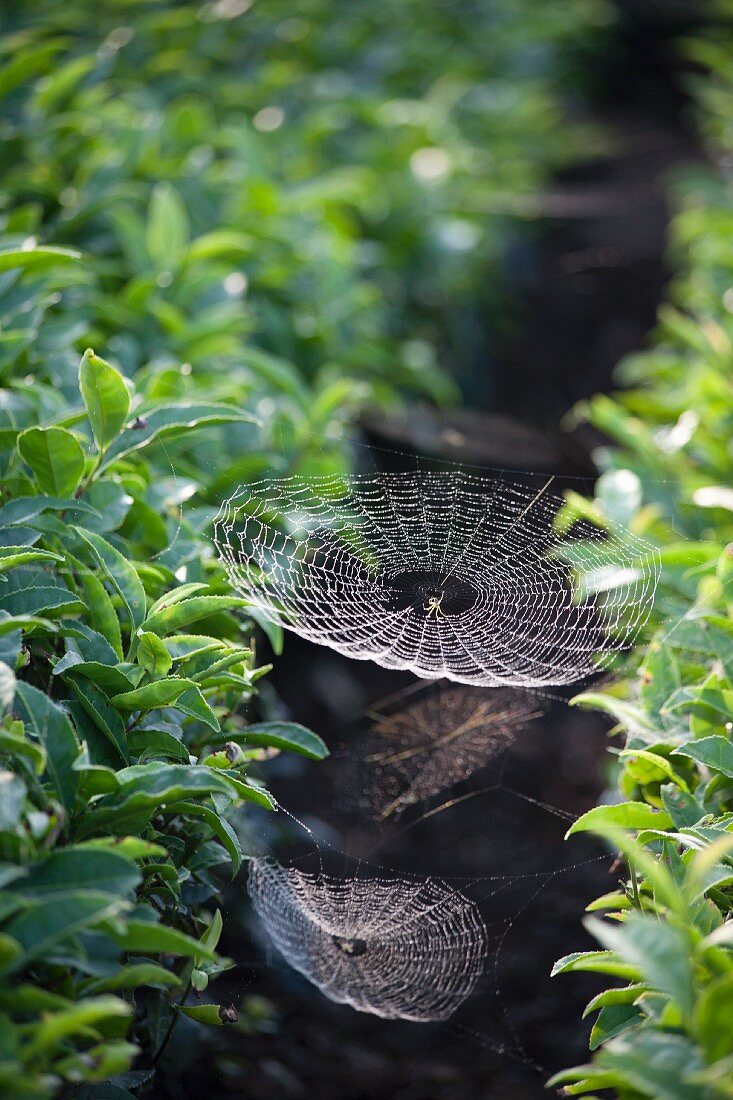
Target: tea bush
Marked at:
336, 190
667, 1032
258, 242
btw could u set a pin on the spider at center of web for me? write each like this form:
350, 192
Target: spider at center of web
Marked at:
434, 605
353, 947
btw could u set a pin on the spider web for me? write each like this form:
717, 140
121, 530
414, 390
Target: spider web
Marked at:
397, 948
447, 574
413, 753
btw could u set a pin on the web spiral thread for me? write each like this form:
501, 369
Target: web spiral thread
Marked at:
396, 948
446, 574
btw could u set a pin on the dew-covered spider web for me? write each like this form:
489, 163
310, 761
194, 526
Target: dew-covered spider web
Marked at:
447, 574
414, 751
372, 928
395, 947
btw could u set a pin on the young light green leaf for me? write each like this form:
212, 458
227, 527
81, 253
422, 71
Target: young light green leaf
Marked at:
152, 655
160, 693
214, 1015
167, 230
622, 815
106, 398
38, 258
174, 616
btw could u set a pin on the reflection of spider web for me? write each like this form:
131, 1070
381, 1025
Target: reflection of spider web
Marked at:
413, 753
447, 574
397, 947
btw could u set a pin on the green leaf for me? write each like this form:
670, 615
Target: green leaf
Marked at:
632, 718
160, 693
10, 952
177, 615
56, 1026
52, 728
659, 675
169, 420
38, 928
647, 766
77, 868
713, 1018
214, 1015
713, 752
18, 745
102, 713
682, 807
101, 610
623, 815
141, 935
112, 680
147, 787
602, 962
152, 655
38, 258
12, 800
284, 735
618, 995
11, 556
133, 847
106, 398
29, 592
657, 1064
612, 1020
192, 703
120, 573
167, 229
221, 828
134, 975
56, 458
659, 950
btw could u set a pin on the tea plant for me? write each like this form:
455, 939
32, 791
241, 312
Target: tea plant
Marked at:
340, 192
124, 747
668, 927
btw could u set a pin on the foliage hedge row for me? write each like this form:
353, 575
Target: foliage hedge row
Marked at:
259, 239
667, 929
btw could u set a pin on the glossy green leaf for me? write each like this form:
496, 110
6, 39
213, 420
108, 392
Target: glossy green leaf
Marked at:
284, 735
56, 458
